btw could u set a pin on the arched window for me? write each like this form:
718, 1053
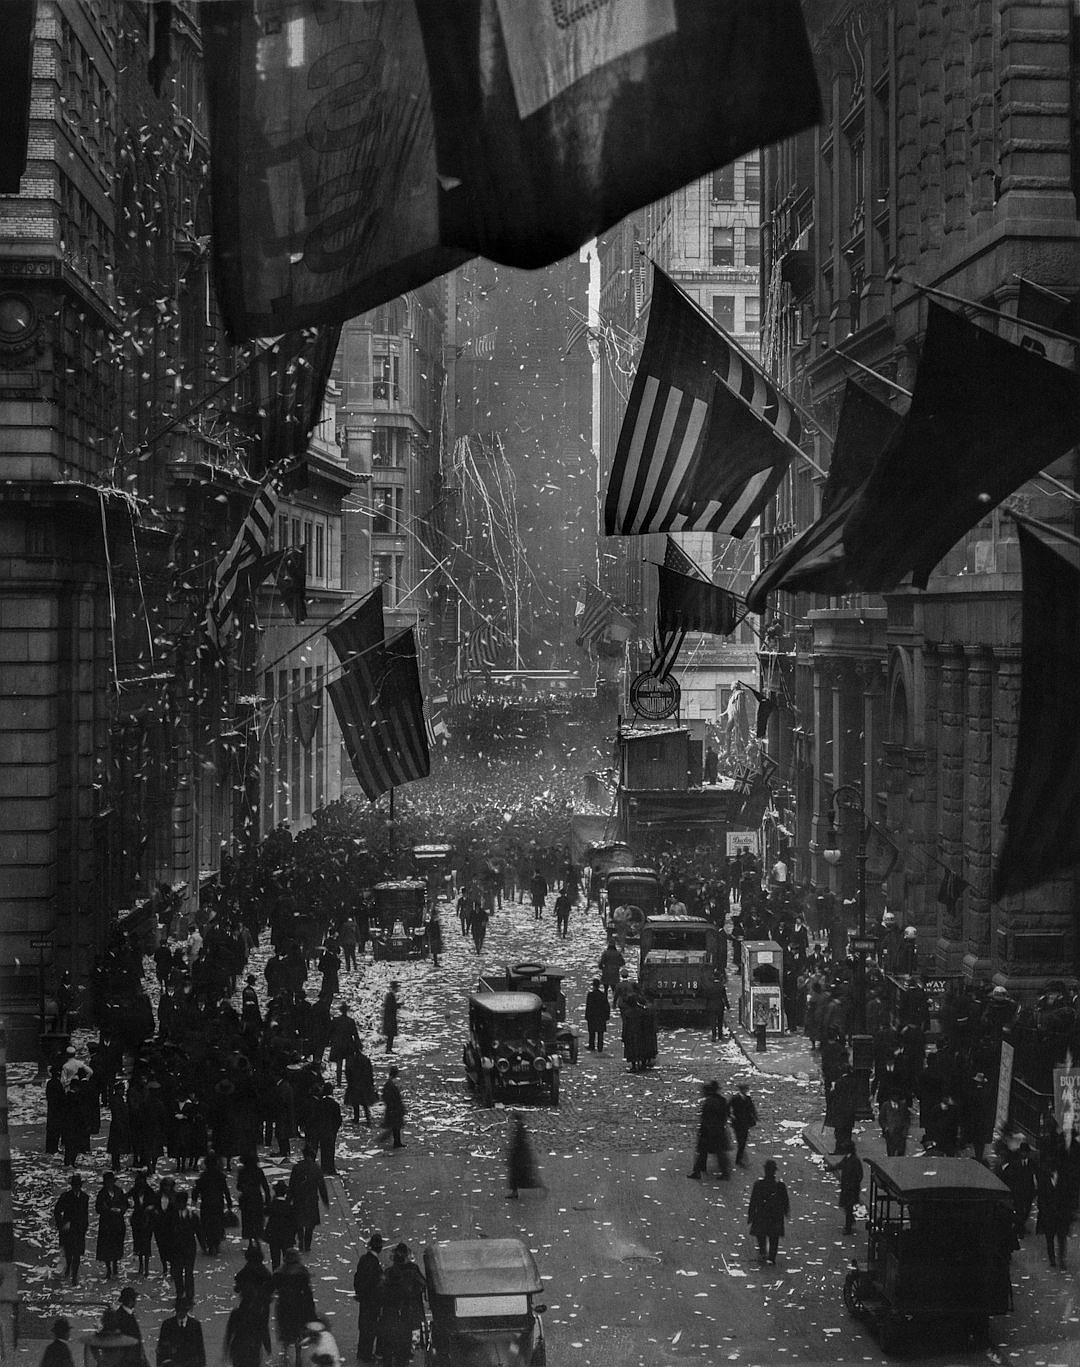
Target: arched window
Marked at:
899, 721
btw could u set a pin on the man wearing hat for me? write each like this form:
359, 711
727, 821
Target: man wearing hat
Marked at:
180, 1343
597, 1015
403, 1292
367, 1288
125, 1320
71, 1216
743, 1114
712, 1132
888, 939
58, 1354
769, 1208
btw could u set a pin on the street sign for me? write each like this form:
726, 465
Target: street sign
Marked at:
41, 944
863, 946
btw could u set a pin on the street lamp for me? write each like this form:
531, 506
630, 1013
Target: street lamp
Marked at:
848, 797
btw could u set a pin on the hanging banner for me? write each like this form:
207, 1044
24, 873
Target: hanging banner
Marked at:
1067, 1098
1005, 1076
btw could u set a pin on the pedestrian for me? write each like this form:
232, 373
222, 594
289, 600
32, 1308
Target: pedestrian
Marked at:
393, 1109
164, 1211
433, 932
597, 1015
71, 1216
716, 1002
58, 1354
143, 1209
124, 1318
344, 1037
324, 1122
252, 1196
307, 1189
359, 1084
769, 1208
111, 1206
249, 1004
538, 888
184, 1238
743, 1114
712, 1133
55, 1099
280, 1226
247, 1332
211, 1190
390, 1012
521, 1165
403, 1291
348, 939
367, 1288
1019, 1175
284, 1112
180, 1342
611, 964
562, 913
843, 1108
478, 925
894, 1117
119, 1139
254, 1278
850, 1172
1055, 1214
295, 1305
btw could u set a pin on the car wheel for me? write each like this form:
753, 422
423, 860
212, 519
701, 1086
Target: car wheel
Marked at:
853, 1295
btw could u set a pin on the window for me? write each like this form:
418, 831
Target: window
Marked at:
751, 313
723, 183
320, 551
386, 516
752, 180
309, 548
297, 536
385, 374
723, 310
752, 249
723, 246
386, 448
387, 569
282, 533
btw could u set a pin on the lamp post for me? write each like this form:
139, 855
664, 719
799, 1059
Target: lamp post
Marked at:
848, 797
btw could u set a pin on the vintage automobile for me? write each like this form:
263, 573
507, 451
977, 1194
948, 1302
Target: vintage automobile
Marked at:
602, 859
482, 1305
632, 896
940, 1240
397, 921
546, 983
678, 954
508, 1054
434, 864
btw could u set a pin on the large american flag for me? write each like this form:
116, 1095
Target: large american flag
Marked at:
668, 642
231, 576
706, 436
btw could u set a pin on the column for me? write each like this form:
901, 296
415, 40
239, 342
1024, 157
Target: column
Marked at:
1006, 720
978, 783
1035, 110
822, 872
956, 19
951, 724
931, 124
907, 135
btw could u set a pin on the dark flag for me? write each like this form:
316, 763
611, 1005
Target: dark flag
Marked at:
361, 630
688, 604
1051, 307
16, 62
986, 415
306, 712
380, 709
1042, 815
322, 155
668, 643
554, 121
706, 437
814, 561
279, 396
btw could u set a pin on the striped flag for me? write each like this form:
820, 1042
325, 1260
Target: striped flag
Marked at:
574, 333
361, 631
460, 692
279, 396
693, 604
599, 615
483, 647
667, 642
706, 436
435, 728
232, 574
380, 709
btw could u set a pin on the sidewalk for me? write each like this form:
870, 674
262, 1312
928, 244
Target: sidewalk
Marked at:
784, 1056
869, 1141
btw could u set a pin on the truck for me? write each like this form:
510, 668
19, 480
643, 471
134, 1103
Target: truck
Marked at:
633, 895
679, 955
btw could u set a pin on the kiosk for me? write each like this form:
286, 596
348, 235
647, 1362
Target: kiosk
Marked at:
761, 998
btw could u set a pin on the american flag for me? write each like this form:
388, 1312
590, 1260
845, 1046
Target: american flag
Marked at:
706, 436
460, 692
232, 574
598, 613
668, 643
483, 647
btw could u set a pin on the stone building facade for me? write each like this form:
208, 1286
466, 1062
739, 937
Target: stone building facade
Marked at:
706, 236
948, 156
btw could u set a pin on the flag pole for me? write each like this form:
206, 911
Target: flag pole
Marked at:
756, 365
895, 276
884, 379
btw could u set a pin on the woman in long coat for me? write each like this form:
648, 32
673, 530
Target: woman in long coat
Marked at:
247, 1332
253, 1192
359, 1084
111, 1206
769, 1207
211, 1190
119, 1140
143, 1206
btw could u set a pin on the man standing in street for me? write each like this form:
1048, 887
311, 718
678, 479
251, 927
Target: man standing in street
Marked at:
539, 890
597, 1015
307, 1187
390, 1007
180, 1343
743, 1119
393, 1109
367, 1288
712, 1132
850, 1172
769, 1208
562, 913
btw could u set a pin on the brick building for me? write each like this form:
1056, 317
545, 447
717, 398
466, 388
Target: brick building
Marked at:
948, 155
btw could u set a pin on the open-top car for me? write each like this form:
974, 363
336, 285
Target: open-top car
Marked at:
546, 983
509, 1054
483, 1307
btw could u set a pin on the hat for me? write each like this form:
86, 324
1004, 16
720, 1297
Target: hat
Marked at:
910, 933
281, 1189
743, 1086
314, 1327
888, 919
128, 1296
1000, 993
710, 1088
401, 1253
70, 1050
61, 1327
183, 1303
292, 1255
979, 1077
376, 1243
770, 1165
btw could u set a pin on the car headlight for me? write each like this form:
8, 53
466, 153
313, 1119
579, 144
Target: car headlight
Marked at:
539, 1063
503, 1065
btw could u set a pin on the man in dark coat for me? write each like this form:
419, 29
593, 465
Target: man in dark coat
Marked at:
597, 1015
1055, 1211
367, 1288
280, 1224
393, 1109
562, 913
843, 1108
180, 1343
390, 1010
712, 1132
611, 963
324, 1121
344, 1037
284, 1109
743, 1119
307, 1187
71, 1216
295, 1303
850, 1172
769, 1208
1019, 1175
538, 888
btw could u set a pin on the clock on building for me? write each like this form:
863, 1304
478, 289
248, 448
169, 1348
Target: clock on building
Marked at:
654, 699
